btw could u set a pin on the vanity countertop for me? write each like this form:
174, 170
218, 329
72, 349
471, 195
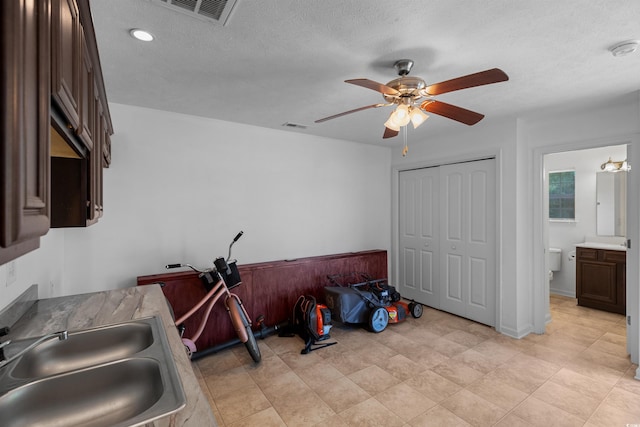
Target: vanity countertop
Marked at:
599, 245
102, 308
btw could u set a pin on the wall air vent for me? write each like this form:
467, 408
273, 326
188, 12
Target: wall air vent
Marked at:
216, 11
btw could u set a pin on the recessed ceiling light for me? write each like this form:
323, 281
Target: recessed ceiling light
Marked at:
139, 34
624, 48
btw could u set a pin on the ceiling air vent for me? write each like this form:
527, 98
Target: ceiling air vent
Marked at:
216, 11
293, 125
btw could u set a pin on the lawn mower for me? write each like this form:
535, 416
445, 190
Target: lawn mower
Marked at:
357, 298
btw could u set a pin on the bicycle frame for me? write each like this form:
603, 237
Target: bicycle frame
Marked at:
219, 289
215, 281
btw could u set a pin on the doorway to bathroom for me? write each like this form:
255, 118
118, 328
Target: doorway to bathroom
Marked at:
598, 214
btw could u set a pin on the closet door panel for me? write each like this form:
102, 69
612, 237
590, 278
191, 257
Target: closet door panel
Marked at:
477, 282
481, 241
452, 250
418, 234
453, 284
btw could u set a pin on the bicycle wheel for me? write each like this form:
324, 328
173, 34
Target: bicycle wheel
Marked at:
251, 344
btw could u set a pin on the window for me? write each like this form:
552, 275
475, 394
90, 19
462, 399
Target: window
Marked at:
562, 195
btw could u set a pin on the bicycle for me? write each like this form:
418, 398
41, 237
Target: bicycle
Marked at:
219, 281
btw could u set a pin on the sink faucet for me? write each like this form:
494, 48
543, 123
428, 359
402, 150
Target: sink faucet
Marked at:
62, 335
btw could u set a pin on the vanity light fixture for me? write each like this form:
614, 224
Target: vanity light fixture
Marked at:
611, 166
142, 35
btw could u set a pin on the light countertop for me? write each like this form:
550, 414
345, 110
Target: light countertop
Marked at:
598, 245
102, 308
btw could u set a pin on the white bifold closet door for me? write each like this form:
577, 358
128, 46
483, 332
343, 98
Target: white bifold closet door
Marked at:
447, 232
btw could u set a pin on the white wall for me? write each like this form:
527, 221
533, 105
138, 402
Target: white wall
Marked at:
43, 267
564, 235
180, 188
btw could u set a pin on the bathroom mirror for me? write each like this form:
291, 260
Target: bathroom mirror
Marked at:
611, 203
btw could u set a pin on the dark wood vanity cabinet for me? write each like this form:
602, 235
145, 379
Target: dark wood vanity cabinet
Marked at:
52, 96
601, 279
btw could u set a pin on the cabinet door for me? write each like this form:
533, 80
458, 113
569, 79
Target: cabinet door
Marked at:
600, 279
106, 143
95, 170
65, 59
24, 147
597, 282
86, 110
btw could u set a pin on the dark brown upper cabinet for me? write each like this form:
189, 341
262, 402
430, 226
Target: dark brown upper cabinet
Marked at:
55, 121
65, 59
24, 122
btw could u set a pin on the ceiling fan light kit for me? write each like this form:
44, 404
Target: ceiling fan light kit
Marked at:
406, 91
418, 117
402, 115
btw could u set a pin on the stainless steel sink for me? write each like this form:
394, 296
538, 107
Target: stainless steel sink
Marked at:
84, 348
118, 375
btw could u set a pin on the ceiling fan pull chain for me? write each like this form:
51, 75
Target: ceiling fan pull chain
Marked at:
405, 149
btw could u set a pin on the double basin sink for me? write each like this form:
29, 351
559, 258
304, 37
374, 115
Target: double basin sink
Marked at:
112, 376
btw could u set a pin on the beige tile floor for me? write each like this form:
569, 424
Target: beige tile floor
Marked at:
439, 370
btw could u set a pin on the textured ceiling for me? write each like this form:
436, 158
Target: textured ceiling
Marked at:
279, 61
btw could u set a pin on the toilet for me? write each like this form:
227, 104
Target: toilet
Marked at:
555, 261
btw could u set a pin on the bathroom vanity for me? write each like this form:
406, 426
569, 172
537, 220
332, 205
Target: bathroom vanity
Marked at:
601, 276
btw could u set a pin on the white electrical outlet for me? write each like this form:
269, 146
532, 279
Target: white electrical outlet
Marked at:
12, 273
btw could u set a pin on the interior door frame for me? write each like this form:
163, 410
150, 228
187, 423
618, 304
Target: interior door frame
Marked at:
440, 161
541, 239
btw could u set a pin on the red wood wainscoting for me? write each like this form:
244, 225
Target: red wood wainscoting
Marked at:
268, 288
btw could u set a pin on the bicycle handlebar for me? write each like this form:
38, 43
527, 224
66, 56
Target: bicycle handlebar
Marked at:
168, 266
235, 239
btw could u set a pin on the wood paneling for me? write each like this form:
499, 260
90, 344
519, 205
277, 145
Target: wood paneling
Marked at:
269, 288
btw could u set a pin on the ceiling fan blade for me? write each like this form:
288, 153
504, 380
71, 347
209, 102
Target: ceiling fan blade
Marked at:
349, 112
389, 133
370, 84
494, 75
452, 112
